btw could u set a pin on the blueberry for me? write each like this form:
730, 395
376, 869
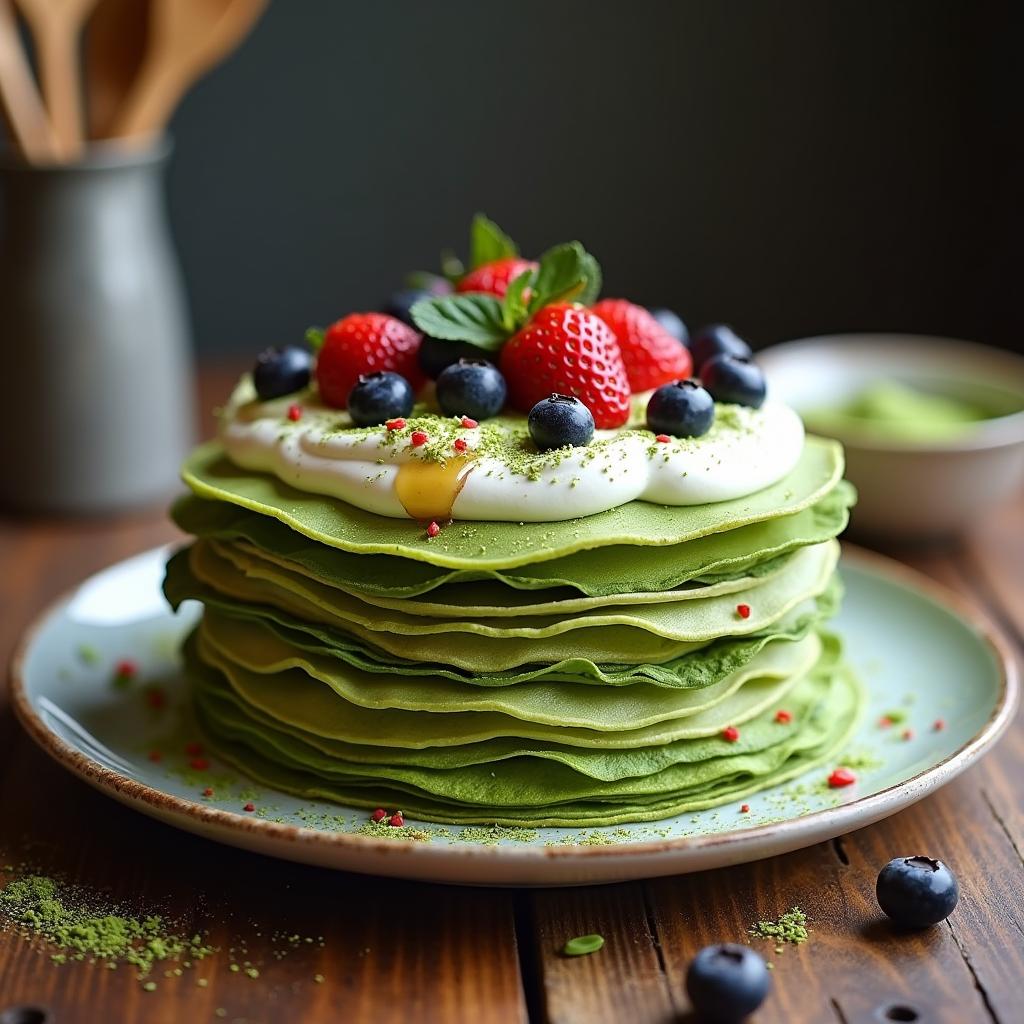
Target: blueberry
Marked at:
734, 379
716, 340
559, 421
727, 983
436, 355
671, 323
399, 303
471, 387
683, 409
281, 371
917, 891
379, 397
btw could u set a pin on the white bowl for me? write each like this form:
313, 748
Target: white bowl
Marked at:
913, 489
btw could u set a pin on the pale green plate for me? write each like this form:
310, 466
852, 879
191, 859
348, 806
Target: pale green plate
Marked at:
923, 658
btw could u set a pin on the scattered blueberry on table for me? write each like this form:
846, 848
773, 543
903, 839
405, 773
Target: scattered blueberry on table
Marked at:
915, 892
726, 983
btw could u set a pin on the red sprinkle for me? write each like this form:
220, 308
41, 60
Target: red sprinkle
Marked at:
460, 444
379, 815
939, 725
207, 791
295, 413
745, 809
155, 755
730, 733
397, 424
156, 698
126, 669
396, 820
193, 749
841, 777
249, 807
662, 438
885, 722
433, 529
908, 734
469, 423
199, 764
783, 716
743, 611
418, 437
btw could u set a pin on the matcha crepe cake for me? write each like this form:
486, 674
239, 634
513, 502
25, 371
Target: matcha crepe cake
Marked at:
568, 583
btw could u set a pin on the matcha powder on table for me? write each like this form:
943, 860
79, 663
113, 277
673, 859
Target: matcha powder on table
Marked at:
790, 928
83, 930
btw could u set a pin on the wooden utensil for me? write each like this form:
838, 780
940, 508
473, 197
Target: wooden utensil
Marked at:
23, 109
186, 38
56, 27
115, 47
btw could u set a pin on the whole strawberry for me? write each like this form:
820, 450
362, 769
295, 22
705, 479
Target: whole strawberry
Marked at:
361, 343
651, 355
495, 277
568, 350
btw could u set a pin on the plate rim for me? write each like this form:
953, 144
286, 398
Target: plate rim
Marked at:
807, 829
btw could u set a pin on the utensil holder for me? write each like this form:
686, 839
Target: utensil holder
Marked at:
94, 337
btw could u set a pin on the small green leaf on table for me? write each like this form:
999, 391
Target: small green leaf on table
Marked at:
583, 945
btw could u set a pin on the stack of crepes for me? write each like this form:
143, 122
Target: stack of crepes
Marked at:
627, 666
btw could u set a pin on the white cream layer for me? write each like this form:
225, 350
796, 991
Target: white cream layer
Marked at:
747, 450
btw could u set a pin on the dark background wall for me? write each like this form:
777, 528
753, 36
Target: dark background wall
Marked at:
791, 167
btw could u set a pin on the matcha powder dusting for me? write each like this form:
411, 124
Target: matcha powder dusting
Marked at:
81, 929
790, 928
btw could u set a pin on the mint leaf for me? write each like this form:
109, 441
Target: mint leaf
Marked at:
315, 338
567, 273
475, 318
514, 305
487, 242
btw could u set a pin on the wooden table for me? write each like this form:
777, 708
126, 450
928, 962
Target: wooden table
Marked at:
396, 951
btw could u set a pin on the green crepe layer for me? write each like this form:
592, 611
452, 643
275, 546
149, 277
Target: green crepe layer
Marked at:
570, 674
649, 634
304, 708
702, 667
609, 570
231, 644
481, 546
549, 786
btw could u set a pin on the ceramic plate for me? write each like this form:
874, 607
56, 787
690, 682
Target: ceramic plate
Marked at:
924, 658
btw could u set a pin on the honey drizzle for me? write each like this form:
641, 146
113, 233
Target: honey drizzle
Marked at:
427, 490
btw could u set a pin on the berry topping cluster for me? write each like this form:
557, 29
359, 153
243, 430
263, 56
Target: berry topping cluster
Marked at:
530, 335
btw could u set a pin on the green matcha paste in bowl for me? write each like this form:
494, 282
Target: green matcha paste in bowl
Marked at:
899, 411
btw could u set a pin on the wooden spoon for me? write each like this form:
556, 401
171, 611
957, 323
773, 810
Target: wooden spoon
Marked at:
115, 46
56, 27
187, 37
23, 109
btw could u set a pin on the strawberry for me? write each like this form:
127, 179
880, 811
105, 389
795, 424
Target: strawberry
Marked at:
651, 355
566, 349
495, 277
362, 343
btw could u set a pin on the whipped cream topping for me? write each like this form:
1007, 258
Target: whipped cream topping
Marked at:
500, 476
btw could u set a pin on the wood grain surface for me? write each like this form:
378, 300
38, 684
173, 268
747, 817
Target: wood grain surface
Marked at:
395, 951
